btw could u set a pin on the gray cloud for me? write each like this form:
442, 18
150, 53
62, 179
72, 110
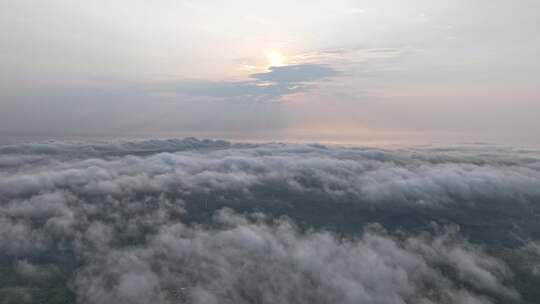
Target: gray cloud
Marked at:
271, 85
194, 221
417, 177
294, 74
247, 261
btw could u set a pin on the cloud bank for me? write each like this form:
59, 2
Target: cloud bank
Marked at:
194, 221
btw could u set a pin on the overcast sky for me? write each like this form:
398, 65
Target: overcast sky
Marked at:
343, 71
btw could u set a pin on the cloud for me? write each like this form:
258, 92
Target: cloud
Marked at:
202, 221
270, 85
243, 260
16, 155
296, 74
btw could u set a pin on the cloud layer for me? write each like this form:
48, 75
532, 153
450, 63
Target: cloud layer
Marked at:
194, 221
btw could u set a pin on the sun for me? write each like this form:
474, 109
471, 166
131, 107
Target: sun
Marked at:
275, 59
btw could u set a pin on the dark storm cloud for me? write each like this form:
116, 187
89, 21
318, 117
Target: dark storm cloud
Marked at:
195, 221
271, 85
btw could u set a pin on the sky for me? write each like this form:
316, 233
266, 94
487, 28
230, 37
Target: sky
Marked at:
340, 71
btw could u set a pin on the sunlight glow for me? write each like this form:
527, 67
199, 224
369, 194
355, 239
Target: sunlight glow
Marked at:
275, 59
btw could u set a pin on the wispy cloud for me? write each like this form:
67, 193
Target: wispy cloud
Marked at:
265, 86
